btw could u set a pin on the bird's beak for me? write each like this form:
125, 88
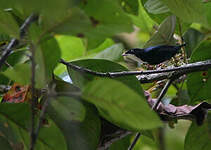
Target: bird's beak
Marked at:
124, 54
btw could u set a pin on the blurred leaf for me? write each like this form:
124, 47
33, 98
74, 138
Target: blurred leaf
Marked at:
193, 38
156, 17
175, 137
164, 35
100, 65
15, 125
79, 135
156, 7
116, 101
112, 53
20, 73
107, 19
198, 137
5, 144
145, 143
199, 83
71, 48
8, 24
189, 10
73, 21
143, 21
207, 8
130, 6
47, 56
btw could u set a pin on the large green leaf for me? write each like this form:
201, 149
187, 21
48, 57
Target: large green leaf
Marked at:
120, 104
164, 35
68, 108
100, 65
198, 137
78, 122
8, 24
199, 83
15, 125
189, 10
80, 133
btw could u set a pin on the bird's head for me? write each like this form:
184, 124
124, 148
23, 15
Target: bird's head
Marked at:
134, 54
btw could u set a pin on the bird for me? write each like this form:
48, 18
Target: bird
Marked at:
153, 55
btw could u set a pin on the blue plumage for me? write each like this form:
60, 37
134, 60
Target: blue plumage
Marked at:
155, 54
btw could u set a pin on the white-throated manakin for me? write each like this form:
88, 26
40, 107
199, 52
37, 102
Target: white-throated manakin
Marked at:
153, 55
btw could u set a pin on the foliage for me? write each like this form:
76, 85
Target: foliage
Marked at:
93, 34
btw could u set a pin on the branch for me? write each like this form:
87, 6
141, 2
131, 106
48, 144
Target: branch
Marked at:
162, 94
188, 68
8, 50
134, 141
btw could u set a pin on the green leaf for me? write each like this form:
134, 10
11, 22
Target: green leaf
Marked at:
199, 83
112, 53
100, 65
106, 44
198, 137
193, 38
120, 104
143, 20
164, 35
79, 135
15, 125
156, 7
20, 73
189, 10
158, 18
71, 48
8, 24
68, 108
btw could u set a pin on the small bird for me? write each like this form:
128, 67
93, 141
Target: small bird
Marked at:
153, 55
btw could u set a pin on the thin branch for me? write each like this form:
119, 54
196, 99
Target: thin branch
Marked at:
134, 141
8, 50
162, 94
154, 107
188, 68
